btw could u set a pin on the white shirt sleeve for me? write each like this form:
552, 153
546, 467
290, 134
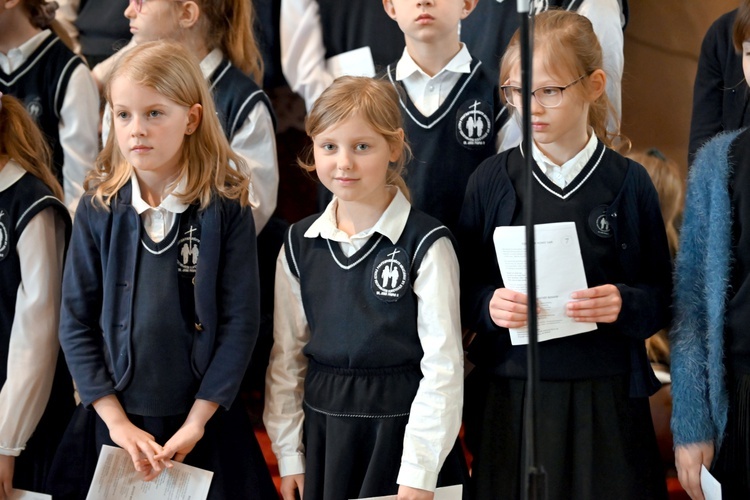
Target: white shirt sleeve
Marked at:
435, 417
33, 347
303, 54
255, 141
606, 17
79, 133
283, 415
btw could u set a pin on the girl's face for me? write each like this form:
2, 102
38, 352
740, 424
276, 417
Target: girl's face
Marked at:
157, 20
351, 160
150, 129
561, 131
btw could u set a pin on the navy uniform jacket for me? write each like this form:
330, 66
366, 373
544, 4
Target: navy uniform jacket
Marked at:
95, 327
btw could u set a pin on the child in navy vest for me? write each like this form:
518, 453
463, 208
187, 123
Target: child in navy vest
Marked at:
35, 398
595, 435
55, 86
364, 388
160, 294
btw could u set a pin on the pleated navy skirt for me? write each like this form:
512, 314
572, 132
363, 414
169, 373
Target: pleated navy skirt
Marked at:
593, 441
354, 431
228, 448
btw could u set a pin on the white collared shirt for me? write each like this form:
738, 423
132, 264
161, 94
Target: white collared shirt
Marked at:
428, 93
435, 416
561, 175
79, 119
158, 221
33, 346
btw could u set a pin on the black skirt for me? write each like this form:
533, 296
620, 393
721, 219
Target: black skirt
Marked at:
593, 440
732, 466
354, 431
228, 448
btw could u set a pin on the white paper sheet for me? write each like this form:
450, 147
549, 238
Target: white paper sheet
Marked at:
28, 495
559, 272
444, 493
710, 486
357, 62
116, 479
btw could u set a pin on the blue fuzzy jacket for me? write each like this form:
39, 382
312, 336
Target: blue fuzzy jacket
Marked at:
702, 273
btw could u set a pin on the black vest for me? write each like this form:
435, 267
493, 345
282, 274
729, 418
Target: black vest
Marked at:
18, 205
361, 310
102, 29
450, 144
235, 95
41, 83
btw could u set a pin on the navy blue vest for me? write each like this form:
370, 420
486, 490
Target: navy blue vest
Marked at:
451, 143
235, 95
361, 310
18, 205
41, 82
102, 29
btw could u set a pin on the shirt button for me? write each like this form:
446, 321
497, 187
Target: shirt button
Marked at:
624, 246
431, 87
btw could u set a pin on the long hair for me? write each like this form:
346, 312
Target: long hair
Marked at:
228, 25
22, 141
375, 101
173, 72
741, 27
570, 49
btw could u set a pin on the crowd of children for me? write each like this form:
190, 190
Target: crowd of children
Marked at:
132, 283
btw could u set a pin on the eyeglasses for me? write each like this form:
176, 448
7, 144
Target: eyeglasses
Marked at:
138, 4
548, 97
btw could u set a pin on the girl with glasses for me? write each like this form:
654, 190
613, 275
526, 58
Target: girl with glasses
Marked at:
595, 435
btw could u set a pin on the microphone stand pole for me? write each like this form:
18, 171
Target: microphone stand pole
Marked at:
535, 487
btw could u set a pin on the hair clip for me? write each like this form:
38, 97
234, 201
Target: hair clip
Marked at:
656, 154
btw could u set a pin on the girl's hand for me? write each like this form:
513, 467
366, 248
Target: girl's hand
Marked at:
185, 439
508, 308
688, 459
7, 466
407, 493
601, 304
290, 485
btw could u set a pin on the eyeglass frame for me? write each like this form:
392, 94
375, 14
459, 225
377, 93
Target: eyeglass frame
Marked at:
533, 92
138, 5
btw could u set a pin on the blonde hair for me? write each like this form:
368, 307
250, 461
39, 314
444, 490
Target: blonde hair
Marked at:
228, 25
670, 185
376, 102
570, 48
22, 141
173, 72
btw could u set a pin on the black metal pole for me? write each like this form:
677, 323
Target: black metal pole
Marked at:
535, 487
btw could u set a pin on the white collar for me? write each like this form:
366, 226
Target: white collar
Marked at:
211, 62
574, 164
29, 46
10, 174
461, 63
390, 224
170, 203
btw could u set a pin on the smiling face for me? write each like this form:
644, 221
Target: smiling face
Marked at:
351, 160
150, 129
157, 20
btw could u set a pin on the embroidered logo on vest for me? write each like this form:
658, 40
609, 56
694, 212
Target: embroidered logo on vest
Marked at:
473, 124
34, 107
389, 274
599, 223
189, 248
4, 239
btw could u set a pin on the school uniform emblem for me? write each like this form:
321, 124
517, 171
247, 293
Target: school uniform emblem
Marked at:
189, 248
599, 223
4, 238
34, 107
474, 124
390, 274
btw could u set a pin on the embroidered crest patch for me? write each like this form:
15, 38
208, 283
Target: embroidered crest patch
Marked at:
599, 223
4, 236
474, 124
189, 247
390, 274
34, 107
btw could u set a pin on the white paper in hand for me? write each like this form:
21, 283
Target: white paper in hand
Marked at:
710, 486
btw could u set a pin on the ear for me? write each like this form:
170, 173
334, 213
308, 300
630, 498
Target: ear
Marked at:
389, 9
468, 7
397, 149
195, 115
597, 84
188, 14
10, 4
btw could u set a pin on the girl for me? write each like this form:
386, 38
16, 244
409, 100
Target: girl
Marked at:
710, 347
34, 230
55, 86
160, 295
220, 34
596, 439
365, 369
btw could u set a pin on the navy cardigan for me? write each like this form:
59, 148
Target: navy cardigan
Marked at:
97, 303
